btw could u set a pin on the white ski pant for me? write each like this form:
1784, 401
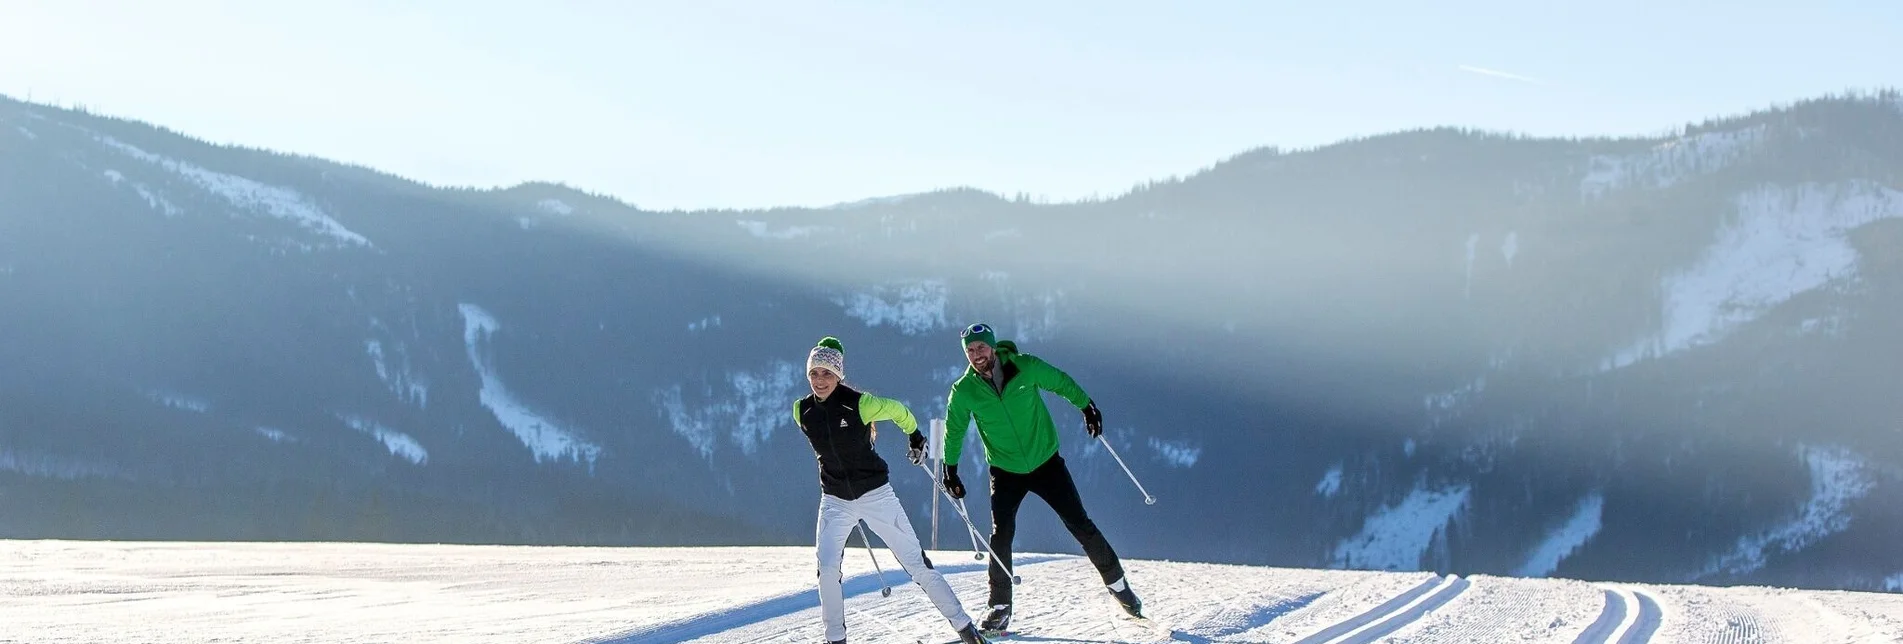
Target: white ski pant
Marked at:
882, 512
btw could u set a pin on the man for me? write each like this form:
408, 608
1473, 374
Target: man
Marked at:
1001, 390
837, 420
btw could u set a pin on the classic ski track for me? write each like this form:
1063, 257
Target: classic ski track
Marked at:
1394, 606
1612, 617
866, 611
1542, 611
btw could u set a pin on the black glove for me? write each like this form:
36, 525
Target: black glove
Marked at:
917, 451
954, 486
1093, 420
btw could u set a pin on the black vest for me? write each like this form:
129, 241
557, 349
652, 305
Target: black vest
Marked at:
848, 467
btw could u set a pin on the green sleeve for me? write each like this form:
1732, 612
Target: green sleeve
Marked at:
1053, 379
874, 408
957, 421
796, 412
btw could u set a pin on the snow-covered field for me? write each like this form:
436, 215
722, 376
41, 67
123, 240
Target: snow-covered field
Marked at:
74, 591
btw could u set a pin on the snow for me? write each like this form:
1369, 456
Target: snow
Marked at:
555, 207
1005, 233
151, 198
1449, 400
753, 405
1670, 162
1510, 247
245, 194
1838, 477
400, 444
407, 386
1567, 539
1330, 485
30, 136
66, 592
1894, 583
915, 308
276, 435
1397, 537
1783, 241
178, 401
709, 322
760, 229
1176, 453
546, 440
53, 466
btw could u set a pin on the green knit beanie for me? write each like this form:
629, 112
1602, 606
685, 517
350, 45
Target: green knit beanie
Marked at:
981, 332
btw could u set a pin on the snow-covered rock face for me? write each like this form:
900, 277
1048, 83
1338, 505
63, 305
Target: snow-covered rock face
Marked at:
765, 230
1330, 483
745, 411
915, 308
396, 374
1783, 241
545, 439
1670, 162
400, 444
1180, 454
1838, 478
53, 466
251, 196
1567, 538
152, 198
1398, 536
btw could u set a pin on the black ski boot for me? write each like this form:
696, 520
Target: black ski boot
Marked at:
997, 620
1128, 599
970, 635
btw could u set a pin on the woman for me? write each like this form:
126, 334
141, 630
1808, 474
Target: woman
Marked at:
837, 420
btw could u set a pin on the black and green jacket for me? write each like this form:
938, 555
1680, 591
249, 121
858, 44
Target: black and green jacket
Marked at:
840, 430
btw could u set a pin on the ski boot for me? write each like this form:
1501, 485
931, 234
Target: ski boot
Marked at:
1127, 598
970, 635
997, 620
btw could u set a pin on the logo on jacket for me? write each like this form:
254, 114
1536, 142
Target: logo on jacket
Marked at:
842, 422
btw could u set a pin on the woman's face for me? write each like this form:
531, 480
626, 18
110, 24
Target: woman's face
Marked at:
823, 381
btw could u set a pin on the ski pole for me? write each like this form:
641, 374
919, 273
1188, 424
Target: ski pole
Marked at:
885, 589
1147, 499
976, 552
960, 508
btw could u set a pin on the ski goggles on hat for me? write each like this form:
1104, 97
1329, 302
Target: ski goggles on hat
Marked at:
975, 328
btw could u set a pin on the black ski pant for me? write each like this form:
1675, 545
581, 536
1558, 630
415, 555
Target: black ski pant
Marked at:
1051, 482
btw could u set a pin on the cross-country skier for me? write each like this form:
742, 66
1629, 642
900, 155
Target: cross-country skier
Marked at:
1001, 391
838, 420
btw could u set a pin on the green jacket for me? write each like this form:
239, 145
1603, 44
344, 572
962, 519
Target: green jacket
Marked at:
1015, 426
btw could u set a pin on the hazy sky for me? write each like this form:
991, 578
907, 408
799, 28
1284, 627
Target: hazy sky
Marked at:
729, 104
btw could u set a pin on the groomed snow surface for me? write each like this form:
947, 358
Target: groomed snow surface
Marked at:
79, 591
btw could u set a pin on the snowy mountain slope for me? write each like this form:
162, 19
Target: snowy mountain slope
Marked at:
65, 591
1658, 359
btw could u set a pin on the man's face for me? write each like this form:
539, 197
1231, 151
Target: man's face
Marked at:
980, 355
823, 381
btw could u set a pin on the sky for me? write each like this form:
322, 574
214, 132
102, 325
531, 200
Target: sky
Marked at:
722, 104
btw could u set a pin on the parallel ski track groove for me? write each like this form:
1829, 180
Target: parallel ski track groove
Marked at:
1391, 615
